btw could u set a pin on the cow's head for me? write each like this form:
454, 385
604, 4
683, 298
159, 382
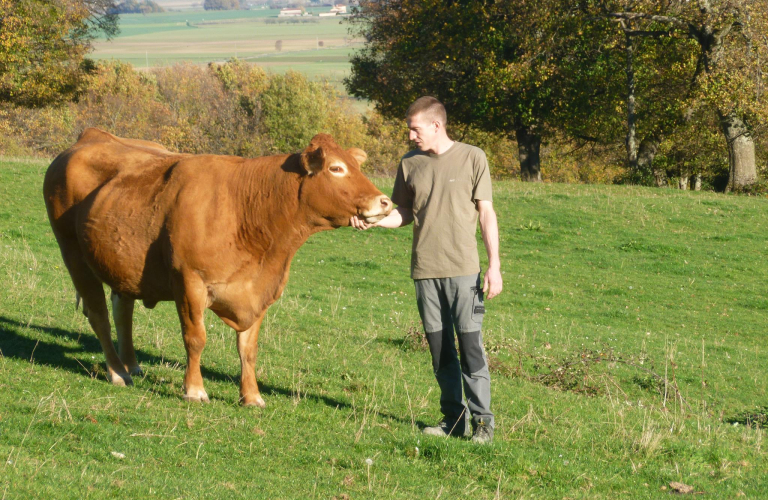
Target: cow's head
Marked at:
334, 189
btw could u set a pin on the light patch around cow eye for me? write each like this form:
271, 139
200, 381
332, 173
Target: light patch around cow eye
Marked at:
338, 169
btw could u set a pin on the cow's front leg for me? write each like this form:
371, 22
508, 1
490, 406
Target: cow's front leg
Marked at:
191, 296
248, 346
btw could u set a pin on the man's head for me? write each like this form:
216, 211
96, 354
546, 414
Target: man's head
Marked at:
426, 119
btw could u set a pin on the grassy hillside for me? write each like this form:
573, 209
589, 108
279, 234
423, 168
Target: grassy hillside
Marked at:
627, 353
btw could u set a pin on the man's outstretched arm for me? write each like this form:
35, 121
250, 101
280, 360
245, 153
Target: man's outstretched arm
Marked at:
492, 282
397, 218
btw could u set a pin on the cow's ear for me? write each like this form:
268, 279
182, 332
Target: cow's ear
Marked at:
358, 154
313, 159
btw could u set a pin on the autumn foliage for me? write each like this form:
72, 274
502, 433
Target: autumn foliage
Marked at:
43, 46
237, 108
232, 108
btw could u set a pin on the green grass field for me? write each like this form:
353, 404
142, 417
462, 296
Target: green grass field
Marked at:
627, 352
319, 49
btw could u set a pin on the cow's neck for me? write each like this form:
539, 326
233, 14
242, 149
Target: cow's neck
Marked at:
273, 221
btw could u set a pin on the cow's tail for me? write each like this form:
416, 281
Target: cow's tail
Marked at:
78, 298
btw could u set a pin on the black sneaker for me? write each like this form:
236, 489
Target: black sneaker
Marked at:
483, 433
446, 428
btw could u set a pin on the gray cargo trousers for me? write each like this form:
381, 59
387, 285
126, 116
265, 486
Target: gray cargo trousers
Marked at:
456, 303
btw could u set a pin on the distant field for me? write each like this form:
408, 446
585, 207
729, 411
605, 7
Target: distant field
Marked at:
319, 49
181, 4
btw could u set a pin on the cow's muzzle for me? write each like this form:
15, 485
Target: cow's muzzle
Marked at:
380, 208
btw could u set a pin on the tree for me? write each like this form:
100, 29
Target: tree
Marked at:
411, 50
221, 4
557, 68
43, 44
136, 7
495, 65
730, 70
648, 77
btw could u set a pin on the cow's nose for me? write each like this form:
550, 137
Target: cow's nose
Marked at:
386, 204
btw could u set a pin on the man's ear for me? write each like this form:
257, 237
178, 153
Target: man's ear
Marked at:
358, 154
313, 160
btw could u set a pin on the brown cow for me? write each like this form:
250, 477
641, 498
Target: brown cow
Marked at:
205, 231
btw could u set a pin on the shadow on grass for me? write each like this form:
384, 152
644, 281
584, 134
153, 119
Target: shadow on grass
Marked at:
14, 344
412, 341
757, 418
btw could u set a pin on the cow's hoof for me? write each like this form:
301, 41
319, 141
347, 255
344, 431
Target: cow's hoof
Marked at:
120, 380
197, 396
136, 371
254, 402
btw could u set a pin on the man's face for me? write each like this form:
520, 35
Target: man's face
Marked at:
423, 132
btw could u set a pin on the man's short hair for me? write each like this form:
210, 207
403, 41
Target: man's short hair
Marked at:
431, 108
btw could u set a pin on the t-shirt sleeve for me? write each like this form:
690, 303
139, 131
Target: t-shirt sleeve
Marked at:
481, 179
401, 193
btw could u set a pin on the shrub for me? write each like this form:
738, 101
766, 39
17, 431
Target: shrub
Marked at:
571, 163
294, 109
204, 117
11, 143
122, 101
386, 141
246, 81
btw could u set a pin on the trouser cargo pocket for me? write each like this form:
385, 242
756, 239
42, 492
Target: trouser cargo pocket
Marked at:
478, 304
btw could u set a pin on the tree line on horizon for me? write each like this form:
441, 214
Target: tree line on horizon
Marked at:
645, 92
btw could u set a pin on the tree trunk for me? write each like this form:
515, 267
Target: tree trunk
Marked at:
649, 147
742, 171
528, 146
682, 183
741, 152
697, 182
632, 159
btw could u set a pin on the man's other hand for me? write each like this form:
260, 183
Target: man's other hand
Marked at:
492, 283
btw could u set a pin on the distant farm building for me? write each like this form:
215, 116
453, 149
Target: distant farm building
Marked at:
337, 10
290, 13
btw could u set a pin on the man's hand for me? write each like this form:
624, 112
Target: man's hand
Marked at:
492, 283
397, 218
360, 224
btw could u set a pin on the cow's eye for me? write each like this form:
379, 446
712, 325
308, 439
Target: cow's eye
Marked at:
336, 170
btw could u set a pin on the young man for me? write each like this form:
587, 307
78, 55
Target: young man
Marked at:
443, 187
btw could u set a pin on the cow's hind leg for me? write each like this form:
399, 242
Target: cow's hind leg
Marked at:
122, 312
247, 347
191, 296
91, 291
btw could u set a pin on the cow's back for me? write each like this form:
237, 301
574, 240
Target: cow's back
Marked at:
93, 160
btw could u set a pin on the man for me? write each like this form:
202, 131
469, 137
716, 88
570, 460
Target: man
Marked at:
443, 186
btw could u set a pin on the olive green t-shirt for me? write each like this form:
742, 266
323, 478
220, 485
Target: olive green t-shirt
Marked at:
442, 190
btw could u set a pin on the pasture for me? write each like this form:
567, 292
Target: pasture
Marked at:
627, 353
320, 49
